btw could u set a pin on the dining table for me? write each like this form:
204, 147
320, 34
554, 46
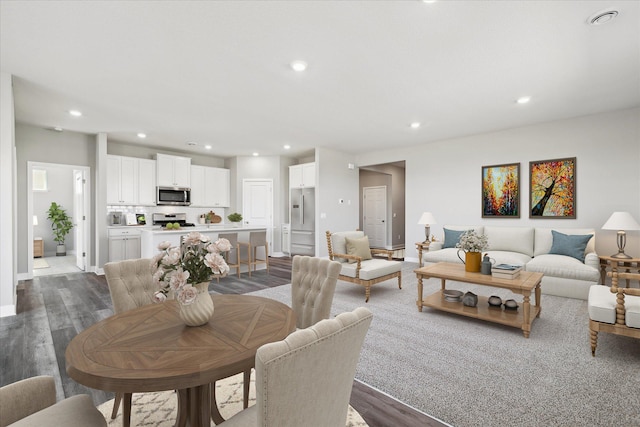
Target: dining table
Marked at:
150, 349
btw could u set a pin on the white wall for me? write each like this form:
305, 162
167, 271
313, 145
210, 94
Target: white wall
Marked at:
444, 177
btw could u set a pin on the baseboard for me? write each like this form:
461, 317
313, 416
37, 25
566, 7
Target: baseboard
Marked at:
7, 310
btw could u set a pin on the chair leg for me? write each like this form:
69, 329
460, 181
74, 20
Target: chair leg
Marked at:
594, 341
126, 410
247, 383
367, 292
116, 405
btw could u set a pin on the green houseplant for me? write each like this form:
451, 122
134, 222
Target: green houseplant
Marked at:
235, 218
61, 225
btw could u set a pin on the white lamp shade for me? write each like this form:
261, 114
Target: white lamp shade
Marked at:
621, 221
35, 220
427, 218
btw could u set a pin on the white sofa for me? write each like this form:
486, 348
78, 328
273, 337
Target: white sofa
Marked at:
528, 246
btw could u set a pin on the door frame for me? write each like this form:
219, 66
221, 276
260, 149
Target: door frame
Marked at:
87, 197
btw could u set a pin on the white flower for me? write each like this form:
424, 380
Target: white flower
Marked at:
159, 297
164, 245
172, 257
193, 238
471, 242
157, 276
216, 263
178, 279
223, 245
187, 295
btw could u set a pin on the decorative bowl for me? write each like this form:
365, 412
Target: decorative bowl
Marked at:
510, 304
495, 301
452, 295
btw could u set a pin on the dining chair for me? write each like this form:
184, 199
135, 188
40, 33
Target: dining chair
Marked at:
130, 286
233, 256
256, 239
32, 402
306, 379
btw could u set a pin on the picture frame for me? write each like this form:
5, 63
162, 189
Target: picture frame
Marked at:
552, 188
501, 191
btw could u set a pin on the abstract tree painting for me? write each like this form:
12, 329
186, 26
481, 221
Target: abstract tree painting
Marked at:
553, 188
501, 191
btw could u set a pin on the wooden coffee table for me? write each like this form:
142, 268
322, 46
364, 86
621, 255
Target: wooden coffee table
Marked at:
525, 283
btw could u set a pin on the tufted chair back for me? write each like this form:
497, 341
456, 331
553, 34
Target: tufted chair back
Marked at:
313, 283
130, 283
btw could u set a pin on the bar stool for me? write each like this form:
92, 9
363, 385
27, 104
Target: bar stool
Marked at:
233, 256
256, 240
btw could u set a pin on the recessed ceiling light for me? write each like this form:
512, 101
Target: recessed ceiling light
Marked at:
191, 143
75, 113
287, 146
142, 135
428, 1
602, 17
256, 154
57, 129
523, 99
415, 125
299, 66
208, 147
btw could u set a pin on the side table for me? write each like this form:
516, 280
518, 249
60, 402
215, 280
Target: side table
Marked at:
38, 247
629, 265
421, 246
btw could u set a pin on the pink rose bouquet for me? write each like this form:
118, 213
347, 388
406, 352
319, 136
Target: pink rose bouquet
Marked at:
178, 269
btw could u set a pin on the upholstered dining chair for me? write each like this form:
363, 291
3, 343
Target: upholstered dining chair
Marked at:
614, 309
130, 286
256, 239
233, 256
306, 379
32, 402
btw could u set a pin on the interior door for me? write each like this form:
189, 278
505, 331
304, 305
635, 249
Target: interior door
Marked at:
375, 215
79, 218
257, 205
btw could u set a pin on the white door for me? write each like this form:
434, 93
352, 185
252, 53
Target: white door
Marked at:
375, 215
79, 218
257, 205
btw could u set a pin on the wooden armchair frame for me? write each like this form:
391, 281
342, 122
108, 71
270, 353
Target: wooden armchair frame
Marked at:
358, 261
620, 327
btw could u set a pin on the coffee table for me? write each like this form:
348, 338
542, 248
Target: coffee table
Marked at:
524, 284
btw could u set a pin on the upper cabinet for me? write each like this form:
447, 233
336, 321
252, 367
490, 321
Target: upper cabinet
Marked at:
303, 175
210, 187
130, 181
173, 171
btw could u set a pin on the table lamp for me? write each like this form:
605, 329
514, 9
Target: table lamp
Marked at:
621, 221
427, 219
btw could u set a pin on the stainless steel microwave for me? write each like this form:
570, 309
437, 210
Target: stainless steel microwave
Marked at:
173, 196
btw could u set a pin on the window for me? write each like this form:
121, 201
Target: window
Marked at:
39, 180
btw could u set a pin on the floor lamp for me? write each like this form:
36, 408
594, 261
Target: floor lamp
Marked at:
621, 221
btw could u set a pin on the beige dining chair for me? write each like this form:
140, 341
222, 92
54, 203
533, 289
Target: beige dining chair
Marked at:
257, 239
325, 356
130, 286
233, 255
32, 403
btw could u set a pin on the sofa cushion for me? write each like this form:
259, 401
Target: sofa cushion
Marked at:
372, 268
455, 237
512, 239
570, 245
507, 257
451, 238
544, 239
339, 244
602, 306
563, 266
358, 247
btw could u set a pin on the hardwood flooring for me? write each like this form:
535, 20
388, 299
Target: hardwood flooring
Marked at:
53, 309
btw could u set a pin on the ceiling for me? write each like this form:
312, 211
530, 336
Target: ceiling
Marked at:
217, 72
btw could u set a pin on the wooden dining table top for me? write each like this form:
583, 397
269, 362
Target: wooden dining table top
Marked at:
151, 349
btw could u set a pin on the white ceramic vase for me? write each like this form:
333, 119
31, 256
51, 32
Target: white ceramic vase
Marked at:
200, 311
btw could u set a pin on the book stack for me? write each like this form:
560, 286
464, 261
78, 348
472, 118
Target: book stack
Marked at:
506, 271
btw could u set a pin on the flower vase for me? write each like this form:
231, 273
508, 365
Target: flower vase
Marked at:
472, 261
200, 311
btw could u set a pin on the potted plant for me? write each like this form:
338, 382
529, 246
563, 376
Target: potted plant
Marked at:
61, 225
235, 218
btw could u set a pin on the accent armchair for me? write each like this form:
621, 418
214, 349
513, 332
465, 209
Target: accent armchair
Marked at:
360, 264
32, 402
615, 310
306, 379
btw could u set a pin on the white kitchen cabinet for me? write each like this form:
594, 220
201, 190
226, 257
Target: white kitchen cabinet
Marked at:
173, 171
209, 187
146, 182
122, 180
303, 175
124, 243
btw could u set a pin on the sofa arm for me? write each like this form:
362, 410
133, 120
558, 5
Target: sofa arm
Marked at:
23, 398
591, 259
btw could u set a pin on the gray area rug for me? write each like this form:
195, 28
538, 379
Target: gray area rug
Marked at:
469, 372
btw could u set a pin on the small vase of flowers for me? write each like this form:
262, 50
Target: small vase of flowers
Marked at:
473, 245
186, 272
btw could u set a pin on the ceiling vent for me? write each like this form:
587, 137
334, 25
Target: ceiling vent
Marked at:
602, 17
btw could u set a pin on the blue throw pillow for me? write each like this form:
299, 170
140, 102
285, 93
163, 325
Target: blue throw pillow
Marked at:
451, 238
572, 245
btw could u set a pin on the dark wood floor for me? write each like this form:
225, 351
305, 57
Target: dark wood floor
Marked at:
53, 309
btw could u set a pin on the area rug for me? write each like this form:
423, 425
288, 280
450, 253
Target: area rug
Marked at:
158, 409
40, 263
468, 372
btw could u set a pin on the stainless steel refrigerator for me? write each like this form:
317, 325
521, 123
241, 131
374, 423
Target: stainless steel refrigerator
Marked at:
303, 221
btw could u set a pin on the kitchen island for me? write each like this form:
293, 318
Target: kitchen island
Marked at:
151, 238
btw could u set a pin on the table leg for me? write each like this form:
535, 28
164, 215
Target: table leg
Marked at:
183, 410
526, 307
419, 302
126, 410
538, 302
420, 255
215, 412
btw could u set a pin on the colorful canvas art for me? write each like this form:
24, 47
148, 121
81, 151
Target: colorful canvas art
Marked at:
501, 191
553, 188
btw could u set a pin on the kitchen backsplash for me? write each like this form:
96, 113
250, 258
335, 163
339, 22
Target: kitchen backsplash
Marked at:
192, 213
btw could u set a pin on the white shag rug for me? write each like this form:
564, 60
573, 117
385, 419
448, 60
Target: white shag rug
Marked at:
158, 409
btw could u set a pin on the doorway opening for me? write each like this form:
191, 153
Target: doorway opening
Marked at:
68, 186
